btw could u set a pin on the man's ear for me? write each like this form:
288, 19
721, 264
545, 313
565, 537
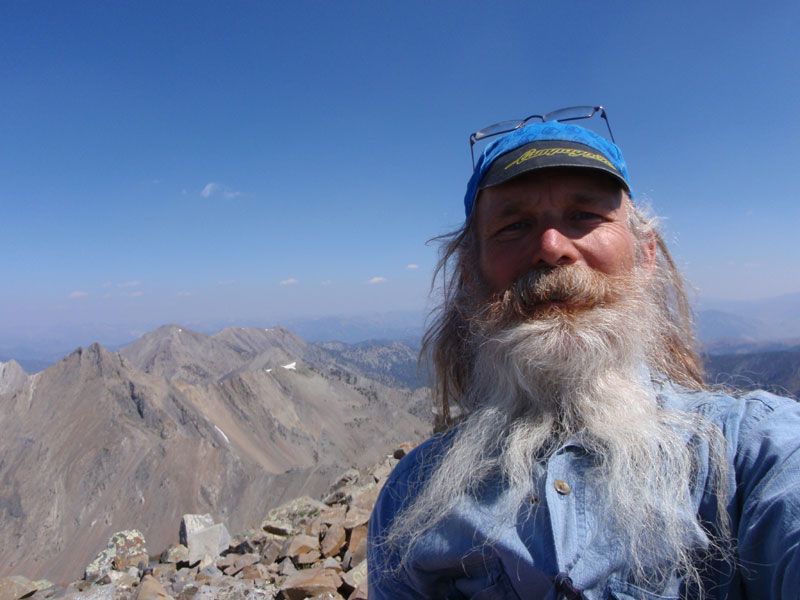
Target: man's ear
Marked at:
650, 251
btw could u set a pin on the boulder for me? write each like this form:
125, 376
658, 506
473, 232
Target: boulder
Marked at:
210, 542
15, 587
151, 589
355, 577
300, 544
191, 523
334, 540
125, 549
175, 554
310, 582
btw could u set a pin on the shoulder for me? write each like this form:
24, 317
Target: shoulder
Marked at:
760, 431
401, 487
739, 416
410, 474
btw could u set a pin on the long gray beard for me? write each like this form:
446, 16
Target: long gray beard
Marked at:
543, 374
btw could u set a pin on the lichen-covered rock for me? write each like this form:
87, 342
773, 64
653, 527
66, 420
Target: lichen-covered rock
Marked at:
125, 549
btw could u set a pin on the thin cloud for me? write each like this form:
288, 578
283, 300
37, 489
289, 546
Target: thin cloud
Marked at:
226, 282
412, 266
78, 294
209, 189
291, 281
326, 282
107, 284
185, 293
137, 293
129, 284
375, 280
212, 189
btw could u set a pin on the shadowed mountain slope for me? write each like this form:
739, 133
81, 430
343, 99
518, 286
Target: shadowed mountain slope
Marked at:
776, 371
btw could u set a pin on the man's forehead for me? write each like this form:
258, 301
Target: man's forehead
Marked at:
571, 186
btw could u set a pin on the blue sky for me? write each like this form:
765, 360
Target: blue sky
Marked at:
191, 161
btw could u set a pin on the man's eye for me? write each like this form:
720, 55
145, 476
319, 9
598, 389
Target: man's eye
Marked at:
512, 227
587, 216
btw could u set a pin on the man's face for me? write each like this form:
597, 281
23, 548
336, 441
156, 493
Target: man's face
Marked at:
550, 218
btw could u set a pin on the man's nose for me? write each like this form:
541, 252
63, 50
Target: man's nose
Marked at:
555, 249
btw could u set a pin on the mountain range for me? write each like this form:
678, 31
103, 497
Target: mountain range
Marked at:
182, 422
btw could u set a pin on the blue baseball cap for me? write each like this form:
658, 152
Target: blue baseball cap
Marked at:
544, 146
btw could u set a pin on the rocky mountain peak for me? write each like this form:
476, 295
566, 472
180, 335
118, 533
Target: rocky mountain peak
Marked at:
103, 441
12, 377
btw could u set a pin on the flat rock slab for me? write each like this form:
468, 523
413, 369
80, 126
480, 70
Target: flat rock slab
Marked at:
310, 582
334, 540
15, 587
95, 592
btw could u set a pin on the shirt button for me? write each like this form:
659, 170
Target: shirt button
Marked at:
562, 487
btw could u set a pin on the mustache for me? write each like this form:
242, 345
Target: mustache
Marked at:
562, 290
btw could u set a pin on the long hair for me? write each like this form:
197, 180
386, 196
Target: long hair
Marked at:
446, 343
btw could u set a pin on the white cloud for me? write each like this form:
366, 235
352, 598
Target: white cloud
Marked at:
78, 294
129, 284
378, 280
412, 266
289, 281
326, 282
209, 189
107, 284
226, 282
137, 293
213, 188
185, 293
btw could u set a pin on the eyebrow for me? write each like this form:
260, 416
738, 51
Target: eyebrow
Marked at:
513, 206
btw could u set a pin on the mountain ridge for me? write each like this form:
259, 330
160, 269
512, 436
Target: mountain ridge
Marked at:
96, 443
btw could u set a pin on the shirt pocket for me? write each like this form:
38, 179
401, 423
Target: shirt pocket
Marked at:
482, 580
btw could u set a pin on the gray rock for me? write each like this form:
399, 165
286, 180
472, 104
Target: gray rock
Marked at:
207, 542
193, 523
95, 592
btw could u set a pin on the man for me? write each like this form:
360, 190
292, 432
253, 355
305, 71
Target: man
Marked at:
584, 457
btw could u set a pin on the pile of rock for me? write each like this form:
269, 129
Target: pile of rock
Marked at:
304, 549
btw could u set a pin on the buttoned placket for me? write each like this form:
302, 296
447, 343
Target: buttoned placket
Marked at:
564, 489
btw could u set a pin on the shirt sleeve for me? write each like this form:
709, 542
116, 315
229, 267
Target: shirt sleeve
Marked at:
767, 469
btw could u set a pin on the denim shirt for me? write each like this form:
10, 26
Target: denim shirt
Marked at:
561, 536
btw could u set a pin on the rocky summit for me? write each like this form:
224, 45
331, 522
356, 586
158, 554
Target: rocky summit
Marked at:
303, 549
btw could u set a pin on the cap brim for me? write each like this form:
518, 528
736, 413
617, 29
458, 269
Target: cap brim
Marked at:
547, 154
